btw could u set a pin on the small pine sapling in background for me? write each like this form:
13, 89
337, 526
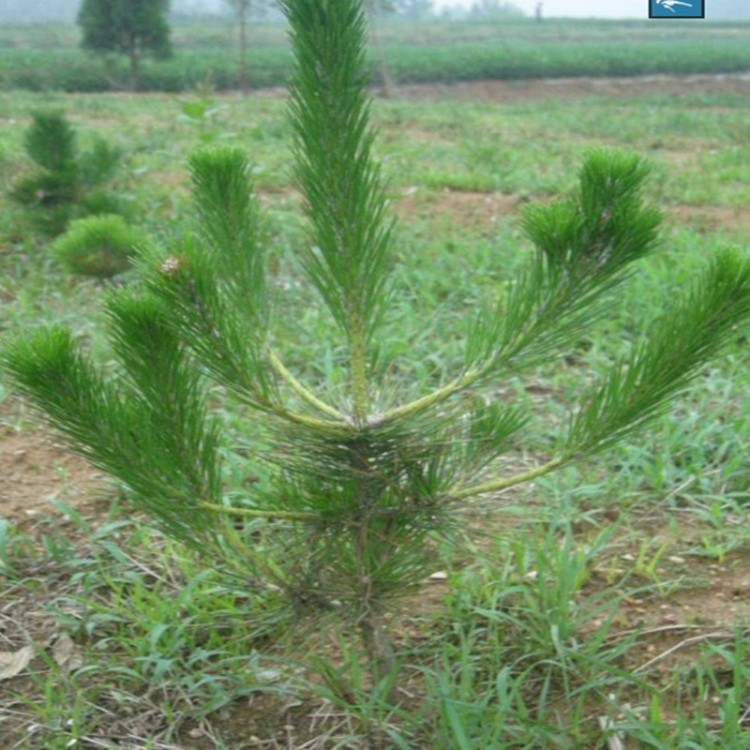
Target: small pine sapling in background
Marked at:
68, 183
100, 246
358, 481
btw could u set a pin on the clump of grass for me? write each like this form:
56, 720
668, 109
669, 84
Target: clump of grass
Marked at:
126, 626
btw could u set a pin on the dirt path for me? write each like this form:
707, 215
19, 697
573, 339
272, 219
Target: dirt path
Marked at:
573, 88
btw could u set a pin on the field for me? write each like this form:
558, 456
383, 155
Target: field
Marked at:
42, 58
605, 606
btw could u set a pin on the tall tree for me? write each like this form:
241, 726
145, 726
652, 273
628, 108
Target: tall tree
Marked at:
242, 9
374, 9
133, 28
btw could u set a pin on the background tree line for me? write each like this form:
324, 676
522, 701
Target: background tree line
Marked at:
30, 11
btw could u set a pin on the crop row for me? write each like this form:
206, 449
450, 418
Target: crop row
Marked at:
507, 56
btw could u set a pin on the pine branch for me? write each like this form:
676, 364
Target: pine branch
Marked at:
269, 515
227, 344
303, 392
229, 223
341, 184
120, 432
640, 388
462, 492
584, 247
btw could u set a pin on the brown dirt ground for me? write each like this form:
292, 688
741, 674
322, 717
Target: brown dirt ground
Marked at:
36, 470
576, 88
486, 209
565, 88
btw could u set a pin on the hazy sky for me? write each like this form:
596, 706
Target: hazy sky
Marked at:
580, 8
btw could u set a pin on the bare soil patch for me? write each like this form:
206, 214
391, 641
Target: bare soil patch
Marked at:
574, 88
467, 208
35, 470
711, 219
476, 209
547, 88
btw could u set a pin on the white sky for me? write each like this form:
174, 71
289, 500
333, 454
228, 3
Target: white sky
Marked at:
577, 8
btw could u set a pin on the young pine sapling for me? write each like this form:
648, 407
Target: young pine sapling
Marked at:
100, 246
358, 484
68, 182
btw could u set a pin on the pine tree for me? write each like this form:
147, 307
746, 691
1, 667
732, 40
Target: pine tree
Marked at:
99, 246
133, 28
357, 484
68, 181
242, 9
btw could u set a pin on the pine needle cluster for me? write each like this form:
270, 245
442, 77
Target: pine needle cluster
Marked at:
358, 488
100, 246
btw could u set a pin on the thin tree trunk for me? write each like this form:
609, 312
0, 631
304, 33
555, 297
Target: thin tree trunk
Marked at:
379, 647
135, 66
244, 74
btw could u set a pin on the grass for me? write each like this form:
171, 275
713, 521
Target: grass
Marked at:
599, 604
43, 58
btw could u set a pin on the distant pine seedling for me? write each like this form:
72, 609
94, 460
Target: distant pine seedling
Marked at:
68, 182
99, 246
